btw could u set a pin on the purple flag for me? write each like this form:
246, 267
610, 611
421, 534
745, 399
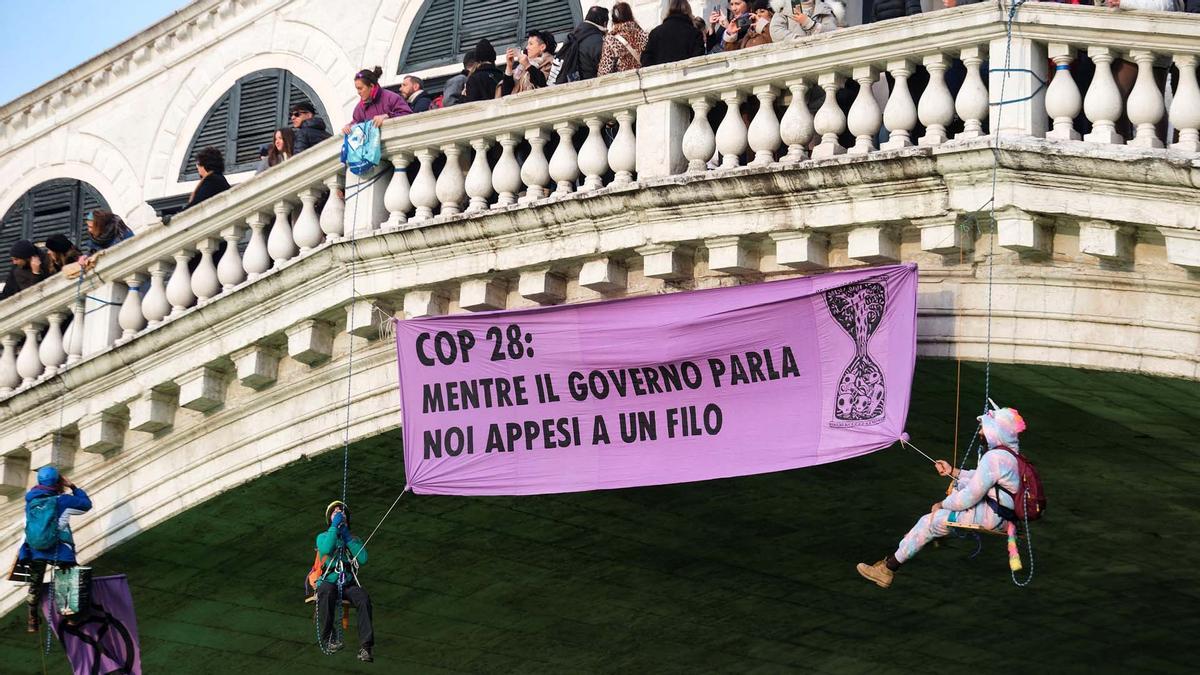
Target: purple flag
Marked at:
104, 640
658, 389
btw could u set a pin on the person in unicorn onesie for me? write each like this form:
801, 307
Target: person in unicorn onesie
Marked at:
973, 497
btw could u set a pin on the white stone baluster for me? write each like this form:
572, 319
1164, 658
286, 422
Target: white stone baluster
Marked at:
1102, 103
972, 101
75, 339
29, 362
830, 121
155, 305
397, 198
535, 172
796, 128
763, 134
333, 215
564, 163
622, 154
593, 155
179, 287
256, 260
205, 284
280, 244
1185, 105
450, 186
900, 113
479, 179
936, 109
1145, 107
424, 188
731, 133
230, 271
132, 319
699, 143
52, 352
307, 231
1063, 100
506, 177
865, 117
9, 378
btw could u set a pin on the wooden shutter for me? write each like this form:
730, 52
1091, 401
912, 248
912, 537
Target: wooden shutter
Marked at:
12, 228
497, 20
431, 41
556, 16
259, 115
447, 29
213, 131
55, 207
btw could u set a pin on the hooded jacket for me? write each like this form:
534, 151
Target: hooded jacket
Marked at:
310, 132
453, 92
67, 505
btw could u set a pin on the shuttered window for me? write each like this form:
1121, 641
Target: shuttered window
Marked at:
53, 207
447, 29
245, 118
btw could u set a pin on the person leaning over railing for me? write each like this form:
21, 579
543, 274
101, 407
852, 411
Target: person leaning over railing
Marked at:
624, 44
529, 68
61, 252
29, 268
105, 229
210, 164
374, 102
676, 38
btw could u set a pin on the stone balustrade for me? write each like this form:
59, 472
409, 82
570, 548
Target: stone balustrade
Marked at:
734, 168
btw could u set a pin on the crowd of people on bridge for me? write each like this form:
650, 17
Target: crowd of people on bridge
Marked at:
603, 43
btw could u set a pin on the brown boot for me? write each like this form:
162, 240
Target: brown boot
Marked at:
879, 573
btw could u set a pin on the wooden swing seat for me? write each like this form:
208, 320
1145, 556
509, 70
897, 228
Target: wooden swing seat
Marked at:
979, 529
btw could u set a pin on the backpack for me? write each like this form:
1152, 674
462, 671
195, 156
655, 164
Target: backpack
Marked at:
41, 523
361, 148
565, 66
436, 103
1029, 501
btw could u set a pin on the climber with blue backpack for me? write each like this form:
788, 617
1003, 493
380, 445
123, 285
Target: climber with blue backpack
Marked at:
48, 539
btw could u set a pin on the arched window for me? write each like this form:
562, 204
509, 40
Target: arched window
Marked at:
447, 29
53, 207
245, 118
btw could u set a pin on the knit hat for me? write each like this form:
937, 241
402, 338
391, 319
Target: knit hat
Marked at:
23, 250
485, 51
59, 243
48, 476
1001, 427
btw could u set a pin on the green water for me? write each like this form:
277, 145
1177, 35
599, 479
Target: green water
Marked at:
743, 575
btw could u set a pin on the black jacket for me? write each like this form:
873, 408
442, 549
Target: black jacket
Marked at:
882, 10
588, 40
311, 132
675, 39
1192, 6
210, 186
481, 85
20, 278
421, 102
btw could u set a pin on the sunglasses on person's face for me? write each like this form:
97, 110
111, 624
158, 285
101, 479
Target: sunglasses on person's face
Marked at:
297, 114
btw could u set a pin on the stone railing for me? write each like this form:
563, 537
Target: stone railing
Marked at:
180, 383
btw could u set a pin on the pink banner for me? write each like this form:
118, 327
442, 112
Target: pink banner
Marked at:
658, 389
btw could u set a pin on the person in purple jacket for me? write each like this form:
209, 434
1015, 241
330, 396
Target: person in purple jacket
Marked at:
375, 103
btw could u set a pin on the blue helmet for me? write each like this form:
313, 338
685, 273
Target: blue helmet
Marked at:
48, 475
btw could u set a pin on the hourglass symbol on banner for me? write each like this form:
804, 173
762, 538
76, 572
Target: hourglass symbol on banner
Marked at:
858, 309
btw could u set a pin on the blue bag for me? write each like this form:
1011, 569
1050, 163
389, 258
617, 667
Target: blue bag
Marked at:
41, 523
361, 148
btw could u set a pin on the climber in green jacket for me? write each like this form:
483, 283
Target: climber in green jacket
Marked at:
335, 573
